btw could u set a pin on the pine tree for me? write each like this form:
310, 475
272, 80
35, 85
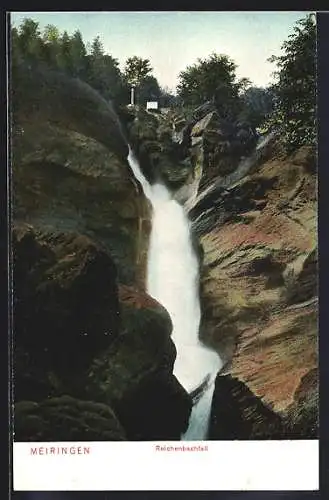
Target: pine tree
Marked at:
64, 58
51, 45
78, 55
29, 40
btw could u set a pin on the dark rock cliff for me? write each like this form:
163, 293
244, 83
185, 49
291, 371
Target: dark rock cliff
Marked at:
93, 356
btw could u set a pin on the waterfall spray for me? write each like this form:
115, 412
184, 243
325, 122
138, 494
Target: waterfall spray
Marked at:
173, 280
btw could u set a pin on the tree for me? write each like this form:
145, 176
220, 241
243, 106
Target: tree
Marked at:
51, 34
64, 59
257, 105
103, 71
95, 66
29, 40
16, 54
78, 55
244, 84
212, 79
97, 51
149, 90
136, 70
51, 45
295, 89
68, 54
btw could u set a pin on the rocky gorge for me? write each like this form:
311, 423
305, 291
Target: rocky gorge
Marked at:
93, 354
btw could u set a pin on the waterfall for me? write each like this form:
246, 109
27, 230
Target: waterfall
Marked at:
173, 280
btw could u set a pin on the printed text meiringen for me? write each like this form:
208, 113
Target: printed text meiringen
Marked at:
60, 450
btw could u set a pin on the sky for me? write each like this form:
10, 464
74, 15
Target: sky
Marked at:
174, 40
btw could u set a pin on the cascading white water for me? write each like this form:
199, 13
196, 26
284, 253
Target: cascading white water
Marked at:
173, 280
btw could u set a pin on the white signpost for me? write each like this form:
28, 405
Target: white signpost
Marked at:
152, 105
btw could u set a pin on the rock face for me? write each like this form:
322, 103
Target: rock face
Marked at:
89, 343
93, 353
217, 146
259, 290
187, 154
162, 159
253, 212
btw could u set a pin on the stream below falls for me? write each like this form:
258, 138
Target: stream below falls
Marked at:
173, 280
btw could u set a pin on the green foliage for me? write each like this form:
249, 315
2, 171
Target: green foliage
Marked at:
28, 41
136, 70
51, 45
64, 57
289, 105
295, 88
149, 90
15, 47
137, 74
103, 71
257, 105
68, 53
78, 55
212, 79
51, 33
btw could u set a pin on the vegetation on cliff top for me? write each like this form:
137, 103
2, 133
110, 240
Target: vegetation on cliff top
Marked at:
287, 105
295, 88
69, 54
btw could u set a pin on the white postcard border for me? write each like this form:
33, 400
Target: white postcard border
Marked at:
176, 465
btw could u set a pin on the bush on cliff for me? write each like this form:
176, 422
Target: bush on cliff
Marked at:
212, 79
295, 103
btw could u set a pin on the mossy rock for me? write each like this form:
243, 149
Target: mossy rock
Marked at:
66, 419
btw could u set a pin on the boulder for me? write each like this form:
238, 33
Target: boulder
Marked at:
66, 419
66, 309
237, 413
143, 390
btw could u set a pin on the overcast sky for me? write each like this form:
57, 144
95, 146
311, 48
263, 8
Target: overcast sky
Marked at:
173, 40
